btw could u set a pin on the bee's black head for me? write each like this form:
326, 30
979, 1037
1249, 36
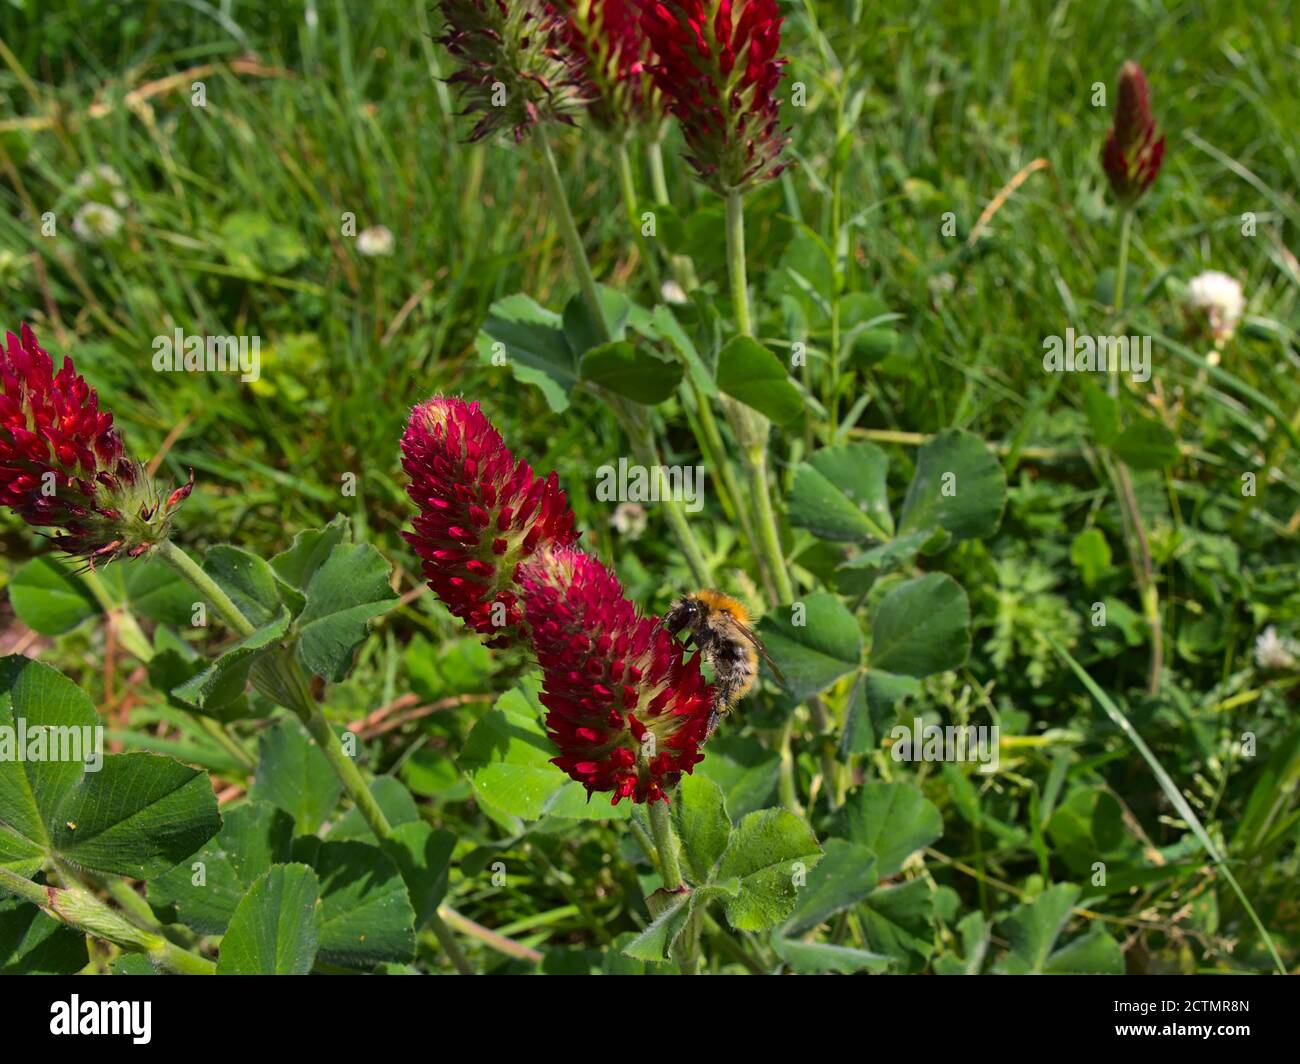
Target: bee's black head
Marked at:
684, 613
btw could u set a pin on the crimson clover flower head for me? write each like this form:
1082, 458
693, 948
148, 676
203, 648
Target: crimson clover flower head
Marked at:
627, 710
1134, 147
611, 54
63, 466
481, 512
515, 69
716, 63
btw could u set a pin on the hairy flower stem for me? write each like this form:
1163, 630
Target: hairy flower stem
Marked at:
1135, 538
283, 679
634, 421
78, 908
749, 426
670, 871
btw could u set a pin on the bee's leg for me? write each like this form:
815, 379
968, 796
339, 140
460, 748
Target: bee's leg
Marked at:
714, 718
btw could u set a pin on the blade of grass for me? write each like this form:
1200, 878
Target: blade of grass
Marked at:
1172, 792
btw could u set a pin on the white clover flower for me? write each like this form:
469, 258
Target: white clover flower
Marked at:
1273, 651
103, 178
1214, 302
629, 519
673, 293
96, 222
375, 240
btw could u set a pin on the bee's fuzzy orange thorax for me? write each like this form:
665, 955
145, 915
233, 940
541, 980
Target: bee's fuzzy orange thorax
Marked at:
718, 601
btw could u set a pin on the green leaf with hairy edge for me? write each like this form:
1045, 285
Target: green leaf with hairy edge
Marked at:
1147, 444
248, 580
174, 663
226, 678
275, 928
254, 836
843, 877
899, 552
763, 853
32, 943
365, 916
699, 814
750, 373
50, 599
839, 494
1033, 928
872, 709
813, 647
137, 815
631, 370
921, 627
133, 964
811, 958
507, 758
582, 332
423, 856
532, 341
899, 922
959, 485
343, 595
310, 550
293, 774
669, 328
669, 912
892, 820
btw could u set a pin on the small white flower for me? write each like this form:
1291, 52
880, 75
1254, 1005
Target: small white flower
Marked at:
629, 519
673, 293
375, 240
1214, 301
1273, 651
102, 174
96, 222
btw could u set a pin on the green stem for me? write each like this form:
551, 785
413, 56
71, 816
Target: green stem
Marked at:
290, 687
1121, 277
670, 871
569, 230
128, 628
750, 427
209, 588
78, 908
627, 185
736, 269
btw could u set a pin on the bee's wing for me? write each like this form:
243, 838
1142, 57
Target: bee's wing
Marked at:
749, 634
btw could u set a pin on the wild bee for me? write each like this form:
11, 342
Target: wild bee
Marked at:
719, 627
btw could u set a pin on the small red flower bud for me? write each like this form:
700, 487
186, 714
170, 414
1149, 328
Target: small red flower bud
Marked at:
63, 466
633, 740
1133, 151
481, 513
716, 63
